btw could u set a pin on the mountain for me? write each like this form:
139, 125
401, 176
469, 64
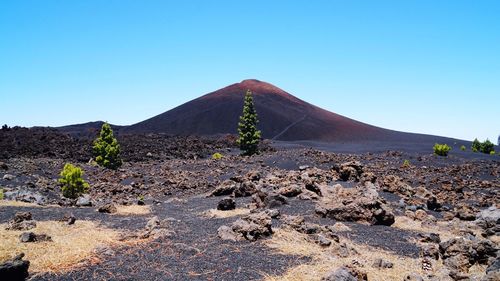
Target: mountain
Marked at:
282, 117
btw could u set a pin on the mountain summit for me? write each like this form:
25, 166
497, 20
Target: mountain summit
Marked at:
282, 117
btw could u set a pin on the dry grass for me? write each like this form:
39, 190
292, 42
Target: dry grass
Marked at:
213, 213
10, 203
133, 210
71, 244
446, 229
290, 242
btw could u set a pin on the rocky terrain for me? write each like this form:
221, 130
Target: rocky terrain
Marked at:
171, 212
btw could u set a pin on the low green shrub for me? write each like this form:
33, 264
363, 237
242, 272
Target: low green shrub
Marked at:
492, 152
1, 194
72, 182
217, 156
406, 163
487, 146
463, 148
441, 149
476, 145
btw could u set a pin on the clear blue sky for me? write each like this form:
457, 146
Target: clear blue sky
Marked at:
419, 66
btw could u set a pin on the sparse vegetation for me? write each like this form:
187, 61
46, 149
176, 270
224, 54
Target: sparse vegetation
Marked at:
492, 152
463, 148
106, 149
1, 193
406, 163
476, 145
72, 182
249, 136
217, 156
441, 149
487, 146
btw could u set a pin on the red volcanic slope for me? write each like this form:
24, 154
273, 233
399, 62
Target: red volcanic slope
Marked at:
282, 117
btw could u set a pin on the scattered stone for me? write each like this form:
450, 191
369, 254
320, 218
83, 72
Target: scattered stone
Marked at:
429, 238
489, 221
420, 215
226, 233
430, 251
303, 167
433, 204
250, 227
459, 254
273, 213
15, 269
465, 212
4, 166
69, 219
294, 222
395, 184
108, 208
321, 240
268, 200
9, 177
226, 188
226, 204
368, 177
290, 190
84, 201
356, 205
22, 216
343, 250
27, 237
22, 221
345, 274
380, 263
246, 188
351, 171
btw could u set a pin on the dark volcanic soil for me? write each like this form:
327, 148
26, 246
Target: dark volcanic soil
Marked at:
175, 175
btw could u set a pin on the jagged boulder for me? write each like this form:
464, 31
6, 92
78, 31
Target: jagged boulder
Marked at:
15, 269
21, 221
357, 205
250, 227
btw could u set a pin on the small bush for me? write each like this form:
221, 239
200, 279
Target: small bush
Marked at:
217, 156
476, 145
1, 194
406, 163
441, 149
463, 148
487, 146
72, 182
492, 152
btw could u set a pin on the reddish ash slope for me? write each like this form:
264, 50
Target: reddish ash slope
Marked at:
282, 117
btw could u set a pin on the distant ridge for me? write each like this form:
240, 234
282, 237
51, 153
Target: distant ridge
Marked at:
282, 117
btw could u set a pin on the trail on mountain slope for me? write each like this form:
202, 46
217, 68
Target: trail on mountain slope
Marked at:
288, 127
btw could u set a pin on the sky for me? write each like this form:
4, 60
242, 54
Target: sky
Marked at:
429, 67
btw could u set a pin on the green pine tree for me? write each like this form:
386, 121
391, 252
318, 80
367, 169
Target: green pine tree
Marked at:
107, 149
476, 145
249, 136
72, 182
